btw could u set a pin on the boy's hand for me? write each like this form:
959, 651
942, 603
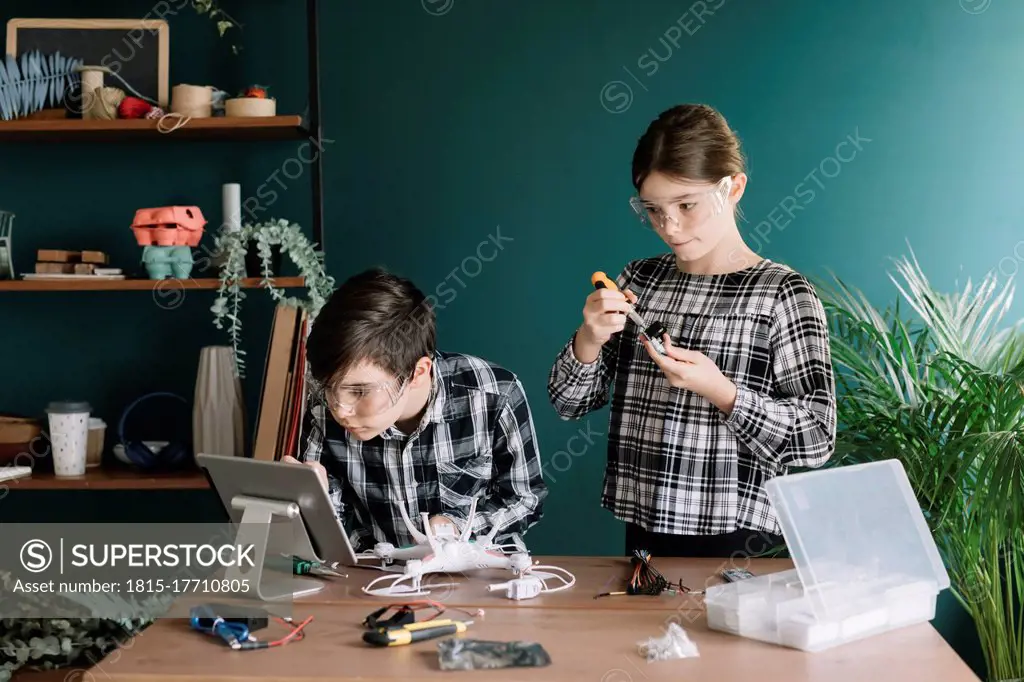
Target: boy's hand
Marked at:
695, 372
321, 473
438, 521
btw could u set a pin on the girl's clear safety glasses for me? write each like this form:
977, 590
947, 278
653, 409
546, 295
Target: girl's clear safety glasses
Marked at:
691, 209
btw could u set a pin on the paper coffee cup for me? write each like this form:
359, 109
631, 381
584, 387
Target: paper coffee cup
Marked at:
69, 436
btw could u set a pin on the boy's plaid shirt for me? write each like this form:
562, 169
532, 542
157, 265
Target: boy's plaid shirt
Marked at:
476, 439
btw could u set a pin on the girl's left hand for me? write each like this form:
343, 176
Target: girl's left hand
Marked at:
694, 371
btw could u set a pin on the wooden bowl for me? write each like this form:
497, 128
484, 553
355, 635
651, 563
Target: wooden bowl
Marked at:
18, 429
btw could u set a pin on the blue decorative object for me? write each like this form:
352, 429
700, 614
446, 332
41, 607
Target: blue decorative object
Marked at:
34, 81
168, 261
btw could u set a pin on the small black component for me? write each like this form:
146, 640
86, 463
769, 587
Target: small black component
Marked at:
403, 616
655, 331
252, 618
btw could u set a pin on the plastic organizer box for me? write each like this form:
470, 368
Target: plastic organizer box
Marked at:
865, 562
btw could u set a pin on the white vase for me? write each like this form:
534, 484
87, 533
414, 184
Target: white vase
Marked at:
218, 417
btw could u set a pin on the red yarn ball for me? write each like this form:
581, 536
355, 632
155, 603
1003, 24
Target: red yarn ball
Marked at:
133, 107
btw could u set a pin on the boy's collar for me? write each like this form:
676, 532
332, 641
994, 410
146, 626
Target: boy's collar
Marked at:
439, 407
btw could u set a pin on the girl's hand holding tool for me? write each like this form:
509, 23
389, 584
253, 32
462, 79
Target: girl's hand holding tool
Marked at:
694, 371
604, 315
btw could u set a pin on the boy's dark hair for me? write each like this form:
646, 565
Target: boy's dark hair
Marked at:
374, 316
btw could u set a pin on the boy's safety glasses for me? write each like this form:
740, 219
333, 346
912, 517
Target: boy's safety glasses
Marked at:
690, 209
366, 400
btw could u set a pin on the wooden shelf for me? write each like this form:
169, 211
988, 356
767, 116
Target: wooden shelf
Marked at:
114, 479
214, 128
163, 286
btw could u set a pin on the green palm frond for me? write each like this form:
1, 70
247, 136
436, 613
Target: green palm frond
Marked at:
35, 81
967, 322
943, 392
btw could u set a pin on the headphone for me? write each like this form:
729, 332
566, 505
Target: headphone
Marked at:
172, 455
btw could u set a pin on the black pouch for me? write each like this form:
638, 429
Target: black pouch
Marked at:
475, 654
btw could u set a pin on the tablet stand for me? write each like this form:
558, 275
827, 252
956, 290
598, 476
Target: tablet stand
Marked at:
255, 529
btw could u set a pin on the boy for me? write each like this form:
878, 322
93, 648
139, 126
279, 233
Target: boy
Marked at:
393, 421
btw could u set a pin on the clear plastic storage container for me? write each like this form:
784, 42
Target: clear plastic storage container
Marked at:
865, 562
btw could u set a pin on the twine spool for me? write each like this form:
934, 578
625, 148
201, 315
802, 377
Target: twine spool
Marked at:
249, 107
104, 103
192, 101
92, 80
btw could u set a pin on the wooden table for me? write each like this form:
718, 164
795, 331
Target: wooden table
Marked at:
587, 638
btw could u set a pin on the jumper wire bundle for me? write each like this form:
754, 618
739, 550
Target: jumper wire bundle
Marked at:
646, 579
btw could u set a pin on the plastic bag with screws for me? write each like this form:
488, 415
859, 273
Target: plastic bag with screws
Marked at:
674, 644
475, 654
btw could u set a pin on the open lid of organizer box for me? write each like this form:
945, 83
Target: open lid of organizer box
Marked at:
865, 562
854, 525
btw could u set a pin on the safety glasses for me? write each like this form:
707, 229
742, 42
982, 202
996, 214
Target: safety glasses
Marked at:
366, 400
688, 210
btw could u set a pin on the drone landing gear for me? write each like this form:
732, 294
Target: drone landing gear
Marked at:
409, 584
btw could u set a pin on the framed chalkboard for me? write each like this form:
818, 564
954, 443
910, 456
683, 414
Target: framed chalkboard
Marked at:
137, 50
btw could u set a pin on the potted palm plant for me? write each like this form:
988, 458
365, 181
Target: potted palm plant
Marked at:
942, 390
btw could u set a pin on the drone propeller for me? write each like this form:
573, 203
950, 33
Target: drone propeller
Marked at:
488, 540
419, 537
469, 522
431, 537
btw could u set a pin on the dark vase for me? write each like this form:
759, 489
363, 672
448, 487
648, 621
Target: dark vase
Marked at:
253, 264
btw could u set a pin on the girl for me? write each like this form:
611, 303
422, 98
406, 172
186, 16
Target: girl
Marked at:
745, 389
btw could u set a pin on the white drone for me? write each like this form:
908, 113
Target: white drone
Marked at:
445, 552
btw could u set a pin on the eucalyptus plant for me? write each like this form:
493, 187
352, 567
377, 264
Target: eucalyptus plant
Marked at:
232, 247
222, 19
942, 390
30, 641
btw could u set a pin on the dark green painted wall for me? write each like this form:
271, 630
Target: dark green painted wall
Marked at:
522, 118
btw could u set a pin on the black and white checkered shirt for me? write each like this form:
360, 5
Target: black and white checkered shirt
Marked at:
676, 463
476, 439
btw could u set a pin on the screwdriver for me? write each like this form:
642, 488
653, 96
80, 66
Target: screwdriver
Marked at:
652, 331
415, 632
304, 567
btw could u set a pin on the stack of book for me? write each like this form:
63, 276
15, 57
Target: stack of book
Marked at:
283, 398
58, 263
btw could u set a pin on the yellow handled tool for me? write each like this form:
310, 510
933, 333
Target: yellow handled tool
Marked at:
652, 331
415, 632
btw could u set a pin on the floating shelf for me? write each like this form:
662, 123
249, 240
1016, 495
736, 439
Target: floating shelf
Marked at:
114, 479
155, 285
214, 128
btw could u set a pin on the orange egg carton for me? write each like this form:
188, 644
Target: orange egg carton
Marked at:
169, 226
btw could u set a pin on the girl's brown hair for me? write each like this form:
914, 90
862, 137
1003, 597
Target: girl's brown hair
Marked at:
691, 142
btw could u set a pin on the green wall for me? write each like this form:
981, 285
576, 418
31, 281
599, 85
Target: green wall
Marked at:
521, 117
